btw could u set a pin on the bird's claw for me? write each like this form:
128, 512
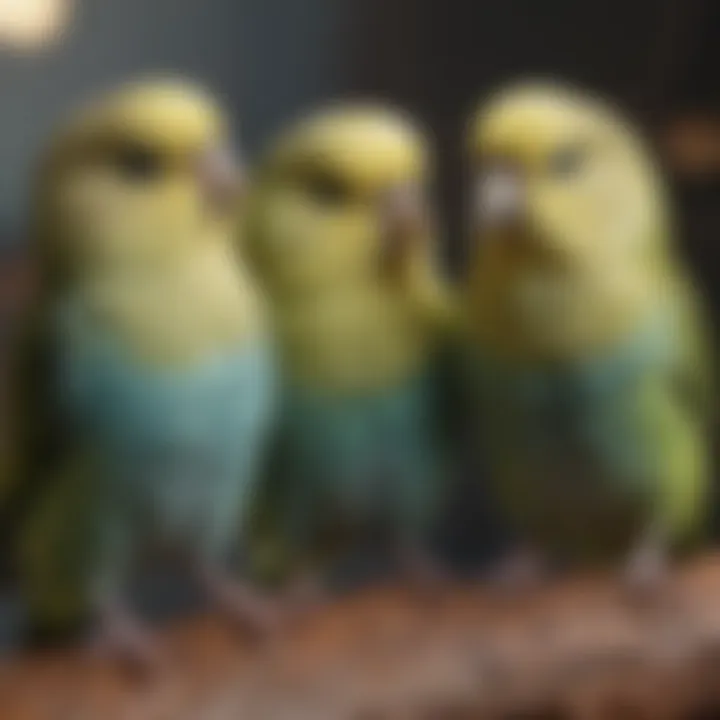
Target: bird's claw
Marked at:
520, 572
120, 637
646, 573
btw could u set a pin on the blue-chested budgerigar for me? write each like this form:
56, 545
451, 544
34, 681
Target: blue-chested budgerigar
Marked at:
145, 383
587, 336
341, 233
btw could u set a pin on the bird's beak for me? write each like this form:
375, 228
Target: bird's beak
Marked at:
500, 199
404, 220
221, 178
404, 211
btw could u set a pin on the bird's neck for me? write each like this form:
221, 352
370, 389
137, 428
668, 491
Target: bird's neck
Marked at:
196, 304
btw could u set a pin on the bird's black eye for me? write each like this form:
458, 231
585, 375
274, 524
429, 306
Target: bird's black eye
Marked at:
327, 189
566, 161
138, 163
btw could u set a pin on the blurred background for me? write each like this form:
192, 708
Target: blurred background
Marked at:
272, 59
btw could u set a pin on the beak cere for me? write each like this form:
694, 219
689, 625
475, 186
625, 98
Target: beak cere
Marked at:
220, 178
499, 199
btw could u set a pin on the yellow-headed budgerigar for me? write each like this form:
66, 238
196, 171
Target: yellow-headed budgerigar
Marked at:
588, 342
341, 233
145, 384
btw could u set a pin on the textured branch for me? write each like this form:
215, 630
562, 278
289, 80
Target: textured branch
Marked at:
573, 650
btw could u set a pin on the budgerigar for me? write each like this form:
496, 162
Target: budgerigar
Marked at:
589, 351
145, 383
340, 229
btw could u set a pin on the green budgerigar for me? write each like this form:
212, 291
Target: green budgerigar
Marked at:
588, 349
145, 381
340, 230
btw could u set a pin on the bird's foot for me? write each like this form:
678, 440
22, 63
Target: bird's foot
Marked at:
306, 595
421, 571
646, 572
121, 637
522, 571
242, 605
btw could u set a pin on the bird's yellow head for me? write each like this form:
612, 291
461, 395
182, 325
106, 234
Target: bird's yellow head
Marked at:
137, 176
331, 193
567, 208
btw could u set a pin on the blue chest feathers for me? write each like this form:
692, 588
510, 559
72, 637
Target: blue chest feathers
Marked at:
363, 455
179, 445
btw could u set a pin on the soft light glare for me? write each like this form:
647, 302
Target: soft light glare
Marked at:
32, 23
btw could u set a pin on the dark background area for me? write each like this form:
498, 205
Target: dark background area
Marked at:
658, 59
272, 59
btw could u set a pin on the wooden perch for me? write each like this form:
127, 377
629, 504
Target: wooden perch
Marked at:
574, 650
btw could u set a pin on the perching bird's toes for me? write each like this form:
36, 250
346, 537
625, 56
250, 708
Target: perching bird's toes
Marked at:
521, 571
645, 574
422, 571
121, 638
